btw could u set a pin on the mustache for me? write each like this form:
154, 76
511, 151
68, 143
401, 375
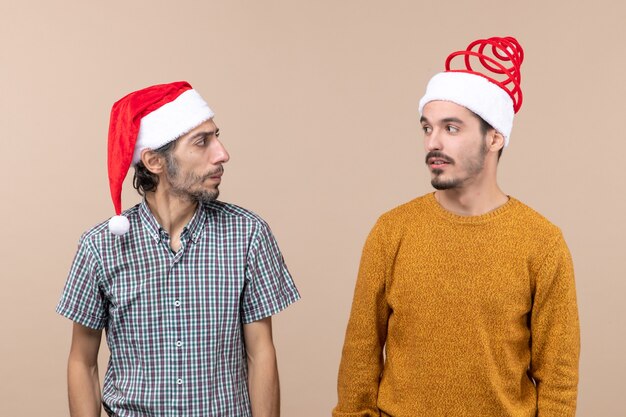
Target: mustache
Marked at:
438, 155
218, 171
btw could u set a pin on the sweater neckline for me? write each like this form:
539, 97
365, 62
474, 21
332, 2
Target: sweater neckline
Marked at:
482, 218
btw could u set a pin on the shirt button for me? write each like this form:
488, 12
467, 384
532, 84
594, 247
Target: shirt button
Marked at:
177, 303
179, 381
179, 343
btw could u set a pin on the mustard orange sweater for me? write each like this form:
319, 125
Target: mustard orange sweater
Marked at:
462, 316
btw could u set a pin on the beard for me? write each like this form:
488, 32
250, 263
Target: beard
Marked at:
442, 184
182, 184
475, 165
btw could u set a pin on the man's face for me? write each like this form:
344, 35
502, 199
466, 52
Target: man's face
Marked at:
454, 143
195, 167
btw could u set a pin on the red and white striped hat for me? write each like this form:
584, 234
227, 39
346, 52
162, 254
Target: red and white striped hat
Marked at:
487, 82
148, 119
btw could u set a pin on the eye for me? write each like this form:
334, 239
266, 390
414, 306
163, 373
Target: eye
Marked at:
201, 142
427, 129
452, 129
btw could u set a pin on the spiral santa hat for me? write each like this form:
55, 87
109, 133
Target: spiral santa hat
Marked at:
148, 119
485, 78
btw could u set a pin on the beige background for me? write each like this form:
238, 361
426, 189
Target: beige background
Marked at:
317, 102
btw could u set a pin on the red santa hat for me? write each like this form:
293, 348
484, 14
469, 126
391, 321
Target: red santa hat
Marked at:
487, 82
148, 119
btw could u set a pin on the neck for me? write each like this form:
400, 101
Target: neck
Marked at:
172, 212
475, 198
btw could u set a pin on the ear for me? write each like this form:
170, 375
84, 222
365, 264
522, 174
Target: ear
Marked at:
495, 141
153, 162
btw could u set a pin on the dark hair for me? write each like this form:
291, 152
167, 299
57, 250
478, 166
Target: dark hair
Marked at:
145, 181
486, 127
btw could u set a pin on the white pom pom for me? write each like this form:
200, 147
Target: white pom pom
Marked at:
119, 225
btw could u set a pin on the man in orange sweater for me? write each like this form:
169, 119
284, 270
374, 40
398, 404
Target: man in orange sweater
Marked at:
465, 303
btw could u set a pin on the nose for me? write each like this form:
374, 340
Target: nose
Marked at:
220, 153
432, 141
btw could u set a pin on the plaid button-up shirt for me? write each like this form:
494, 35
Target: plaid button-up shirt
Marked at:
174, 320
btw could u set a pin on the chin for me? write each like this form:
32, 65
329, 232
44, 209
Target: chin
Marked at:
208, 196
440, 184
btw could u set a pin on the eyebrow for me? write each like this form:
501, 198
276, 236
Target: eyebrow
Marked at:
205, 134
445, 120
452, 120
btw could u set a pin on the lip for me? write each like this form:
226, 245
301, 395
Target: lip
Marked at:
437, 163
214, 178
217, 176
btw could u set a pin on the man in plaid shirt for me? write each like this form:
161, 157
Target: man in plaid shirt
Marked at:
184, 285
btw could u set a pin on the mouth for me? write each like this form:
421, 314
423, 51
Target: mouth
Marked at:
215, 175
437, 160
437, 163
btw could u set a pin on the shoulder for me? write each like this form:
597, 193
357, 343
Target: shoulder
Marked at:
542, 239
99, 236
406, 212
533, 222
392, 224
549, 256
236, 220
234, 213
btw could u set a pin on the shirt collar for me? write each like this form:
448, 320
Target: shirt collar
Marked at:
193, 229
195, 226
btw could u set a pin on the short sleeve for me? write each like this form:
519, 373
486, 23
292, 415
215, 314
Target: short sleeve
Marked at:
269, 287
82, 300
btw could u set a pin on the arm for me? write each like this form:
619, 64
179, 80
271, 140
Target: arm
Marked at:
362, 359
82, 372
263, 383
555, 338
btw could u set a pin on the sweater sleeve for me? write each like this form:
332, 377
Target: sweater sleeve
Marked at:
362, 358
555, 334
